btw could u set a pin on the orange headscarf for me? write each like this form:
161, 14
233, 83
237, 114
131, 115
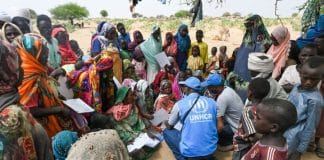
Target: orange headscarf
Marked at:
280, 53
36, 80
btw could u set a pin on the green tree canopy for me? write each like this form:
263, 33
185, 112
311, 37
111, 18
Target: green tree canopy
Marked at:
69, 11
182, 14
103, 13
226, 14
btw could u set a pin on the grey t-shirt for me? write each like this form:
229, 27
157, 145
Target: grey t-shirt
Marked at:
230, 107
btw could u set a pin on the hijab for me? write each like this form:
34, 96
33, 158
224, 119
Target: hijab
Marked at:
183, 42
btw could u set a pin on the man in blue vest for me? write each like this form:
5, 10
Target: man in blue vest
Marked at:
191, 130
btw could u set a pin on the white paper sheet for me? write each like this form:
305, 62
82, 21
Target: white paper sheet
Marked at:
162, 59
117, 83
160, 116
78, 105
142, 140
62, 88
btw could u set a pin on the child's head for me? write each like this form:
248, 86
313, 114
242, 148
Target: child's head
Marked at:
311, 72
169, 37
188, 73
165, 87
223, 49
258, 89
195, 51
182, 76
123, 44
320, 44
309, 50
214, 51
274, 116
99, 121
235, 52
199, 35
121, 28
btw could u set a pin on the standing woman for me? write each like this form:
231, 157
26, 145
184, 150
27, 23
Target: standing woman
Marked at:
151, 47
107, 35
68, 56
183, 44
137, 39
44, 25
22, 137
279, 49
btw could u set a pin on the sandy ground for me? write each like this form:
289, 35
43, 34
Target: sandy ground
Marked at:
83, 36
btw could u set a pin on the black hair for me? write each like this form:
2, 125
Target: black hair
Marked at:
259, 88
119, 24
281, 112
294, 51
199, 32
22, 23
315, 61
214, 48
225, 47
43, 17
99, 121
312, 46
196, 46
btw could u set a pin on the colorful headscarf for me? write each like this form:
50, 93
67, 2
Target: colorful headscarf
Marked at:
310, 15
172, 49
62, 143
120, 110
280, 53
36, 80
258, 32
10, 79
68, 56
134, 43
183, 42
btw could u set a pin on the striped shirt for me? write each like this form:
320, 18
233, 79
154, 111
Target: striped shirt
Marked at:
265, 152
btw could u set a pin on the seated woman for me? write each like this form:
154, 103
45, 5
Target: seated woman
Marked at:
144, 94
10, 32
22, 137
68, 56
38, 91
166, 99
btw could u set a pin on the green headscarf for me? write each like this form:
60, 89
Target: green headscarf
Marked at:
259, 33
121, 94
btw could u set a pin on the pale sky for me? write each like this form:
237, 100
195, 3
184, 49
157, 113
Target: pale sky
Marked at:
120, 8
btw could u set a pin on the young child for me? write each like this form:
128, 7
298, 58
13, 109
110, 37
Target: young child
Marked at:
212, 61
123, 35
124, 54
139, 63
203, 47
246, 136
272, 118
195, 62
222, 56
308, 101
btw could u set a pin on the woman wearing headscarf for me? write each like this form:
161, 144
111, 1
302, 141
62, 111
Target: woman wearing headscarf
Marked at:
62, 142
170, 45
107, 35
166, 99
279, 49
137, 39
10, 31
22, 137
68, 56
145, 96
38, 91
103, 144
151, 47
183, 44
256, 39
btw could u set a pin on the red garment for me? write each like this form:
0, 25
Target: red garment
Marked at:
158, 78
264, 152
120, 111
172, 49
68, 56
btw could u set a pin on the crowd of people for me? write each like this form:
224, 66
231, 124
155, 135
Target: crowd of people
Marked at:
263, 102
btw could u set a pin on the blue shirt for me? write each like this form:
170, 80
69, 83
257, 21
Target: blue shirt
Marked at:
126, 38
308, 105
199, 132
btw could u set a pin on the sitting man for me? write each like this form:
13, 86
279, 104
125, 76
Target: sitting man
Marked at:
197, 137
229, 109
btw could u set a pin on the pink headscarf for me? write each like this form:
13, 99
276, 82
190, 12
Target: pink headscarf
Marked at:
280, 52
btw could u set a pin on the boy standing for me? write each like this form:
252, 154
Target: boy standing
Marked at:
203, 47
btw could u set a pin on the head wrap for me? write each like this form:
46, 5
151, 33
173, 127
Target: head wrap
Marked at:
183, 43
280, 53
104, 144
105, 27
134, 43
260, 62
163, 83
4, 30
62, 143
121, 94
4, 16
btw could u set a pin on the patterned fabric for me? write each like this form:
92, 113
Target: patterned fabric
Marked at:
62, 143
54, 57
164, 101
310, 14
265, 152
68, 56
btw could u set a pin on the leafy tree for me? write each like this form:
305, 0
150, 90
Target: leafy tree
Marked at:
104, 13
226, 14
69, 11
182, 14
237, 14
294, 15
32, 13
